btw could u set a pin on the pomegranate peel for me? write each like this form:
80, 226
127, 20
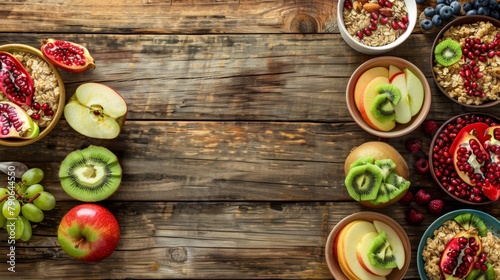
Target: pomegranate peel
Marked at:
15, 122
67, 55
460, 254
15, 81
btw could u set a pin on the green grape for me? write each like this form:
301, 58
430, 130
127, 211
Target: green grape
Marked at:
3, 193
31, 212
21, 188
46, 201
18, 228
11, 208
33, 190
32, 176
3, 221
27, 230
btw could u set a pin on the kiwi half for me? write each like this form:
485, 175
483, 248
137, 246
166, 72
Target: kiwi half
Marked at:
448, 52
91, 174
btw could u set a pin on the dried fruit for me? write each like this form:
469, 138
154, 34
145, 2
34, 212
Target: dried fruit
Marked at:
67, 55
422, 197
15, 122
371, 7
15, 82
460, 254
414, 217
435, 206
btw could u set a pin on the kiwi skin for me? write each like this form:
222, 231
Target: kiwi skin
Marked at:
379, 150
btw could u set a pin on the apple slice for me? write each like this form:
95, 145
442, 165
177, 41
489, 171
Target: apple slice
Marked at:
338, 250
402, 108
96, 111
394, 240
362, 252
415, 91
365, 78
350, 246
393, 70
367, 100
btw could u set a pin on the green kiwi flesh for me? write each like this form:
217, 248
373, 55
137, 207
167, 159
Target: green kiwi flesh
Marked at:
91, 174
448, 52
363, 182
468, 221
478, 274
391, 90
380, 252
382, 108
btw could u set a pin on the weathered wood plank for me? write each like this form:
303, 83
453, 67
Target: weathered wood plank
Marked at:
233, 77
210, 240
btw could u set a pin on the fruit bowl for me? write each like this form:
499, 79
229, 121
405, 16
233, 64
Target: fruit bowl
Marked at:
372, 42
458, 131
381, 71
491, 224
470, 81
49, 94
364, 219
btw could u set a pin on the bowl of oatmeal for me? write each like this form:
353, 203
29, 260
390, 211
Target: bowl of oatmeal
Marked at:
48, 97
465, 61
374, 27
444, 230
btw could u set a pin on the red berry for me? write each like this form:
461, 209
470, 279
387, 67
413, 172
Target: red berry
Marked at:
430, 127
407, 199
414, 217
435, 206
414, 145
422, 165
422, 197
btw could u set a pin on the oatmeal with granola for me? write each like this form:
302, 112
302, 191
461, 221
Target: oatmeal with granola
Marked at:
467, 62
462, 247
375, 23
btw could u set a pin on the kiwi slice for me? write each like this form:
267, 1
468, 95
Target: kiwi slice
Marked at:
448, 52
393, 92
393, 186
478, 274
380, 252
382, 108
91, 174
363, 182
387, 166
361, 161
468, 221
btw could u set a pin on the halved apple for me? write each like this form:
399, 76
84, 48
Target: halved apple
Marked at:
365, 78
96, 110
415, 91
367, 100
394, 240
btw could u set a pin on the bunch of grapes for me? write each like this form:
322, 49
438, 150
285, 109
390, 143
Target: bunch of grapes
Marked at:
23, 203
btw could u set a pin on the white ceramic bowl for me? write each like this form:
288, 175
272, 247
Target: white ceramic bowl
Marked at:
412, 16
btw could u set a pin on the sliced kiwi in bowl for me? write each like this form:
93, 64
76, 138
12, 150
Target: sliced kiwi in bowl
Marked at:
90, 174
448, 52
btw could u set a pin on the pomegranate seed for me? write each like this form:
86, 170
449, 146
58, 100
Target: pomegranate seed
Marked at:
35, 116
388, 4
367, 31
395, 25
36, 106
405, 19
45, 106
384, 20
48, 112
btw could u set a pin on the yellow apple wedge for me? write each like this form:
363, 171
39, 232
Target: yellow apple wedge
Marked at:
339, 252
394, 240
362, 253
365, 78
367, 101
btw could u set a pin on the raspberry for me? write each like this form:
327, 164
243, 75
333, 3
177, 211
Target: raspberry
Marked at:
422, 165
430, 127
407, 199
435, 206
414, 145
422, 197
414, 217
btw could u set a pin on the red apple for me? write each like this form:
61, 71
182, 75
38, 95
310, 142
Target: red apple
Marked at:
88, 232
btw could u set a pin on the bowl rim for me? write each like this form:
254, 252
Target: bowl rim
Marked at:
380, 49
416, 121
456, 21
61, 103
368, 216
429, 232
431, 152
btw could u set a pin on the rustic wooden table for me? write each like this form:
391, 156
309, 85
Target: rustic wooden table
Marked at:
236, 136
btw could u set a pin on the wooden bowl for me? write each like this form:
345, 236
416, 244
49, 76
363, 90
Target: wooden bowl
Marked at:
457, 22
369, 216
14, 142
400, 129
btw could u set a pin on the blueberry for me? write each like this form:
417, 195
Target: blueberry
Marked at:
441, 2
437, 20
420, 1
483, 3
495, 14
456, 7
493, 4
426, 24
439, 7
467, 7
429, 12
471, 12
446, 12
484, 11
